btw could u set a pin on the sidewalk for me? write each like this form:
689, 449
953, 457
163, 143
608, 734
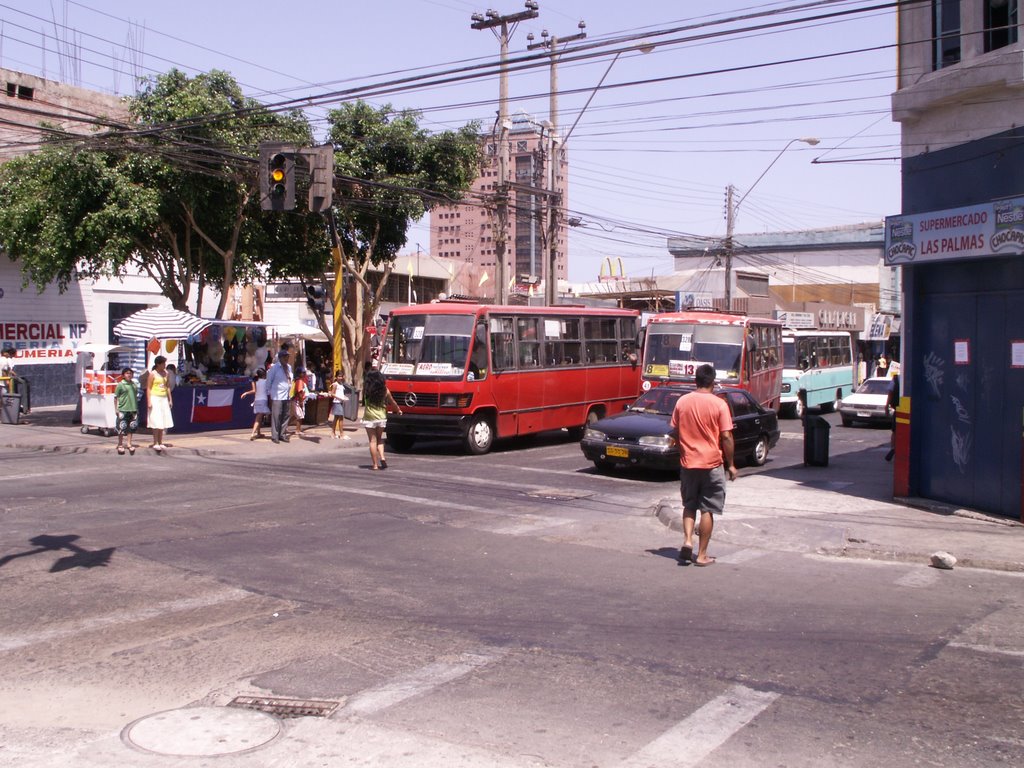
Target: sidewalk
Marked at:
810, 510
50, 429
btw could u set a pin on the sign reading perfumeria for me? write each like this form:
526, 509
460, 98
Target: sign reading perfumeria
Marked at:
988, 229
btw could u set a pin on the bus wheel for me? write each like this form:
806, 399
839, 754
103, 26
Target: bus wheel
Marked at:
576, 433
400, 443
480, 436
760, 453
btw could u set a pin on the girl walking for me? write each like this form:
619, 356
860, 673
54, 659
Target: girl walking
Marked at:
377, 402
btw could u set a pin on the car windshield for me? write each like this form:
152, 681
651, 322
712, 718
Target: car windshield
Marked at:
670, 346
427, 345
657, 400
875, 387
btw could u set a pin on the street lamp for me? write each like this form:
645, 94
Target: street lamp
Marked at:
732, 209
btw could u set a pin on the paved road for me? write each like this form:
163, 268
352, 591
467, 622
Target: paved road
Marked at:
515, 609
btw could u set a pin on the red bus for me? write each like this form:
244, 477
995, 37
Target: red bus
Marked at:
746, 351
478, 372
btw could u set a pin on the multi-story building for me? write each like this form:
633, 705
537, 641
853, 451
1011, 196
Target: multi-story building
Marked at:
959, 241
467, 231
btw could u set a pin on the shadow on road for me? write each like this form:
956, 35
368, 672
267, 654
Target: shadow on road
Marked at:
79, 557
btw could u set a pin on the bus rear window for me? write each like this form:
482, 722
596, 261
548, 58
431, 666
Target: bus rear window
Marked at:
669, 343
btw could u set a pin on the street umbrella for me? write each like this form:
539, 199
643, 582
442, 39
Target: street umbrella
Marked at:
160, 323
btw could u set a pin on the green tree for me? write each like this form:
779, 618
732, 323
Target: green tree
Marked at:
391, 172
172, 193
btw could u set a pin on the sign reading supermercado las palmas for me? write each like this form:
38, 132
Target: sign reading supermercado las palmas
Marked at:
989, 229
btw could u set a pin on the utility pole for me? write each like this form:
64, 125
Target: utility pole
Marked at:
554, 200
500, 25
730, 225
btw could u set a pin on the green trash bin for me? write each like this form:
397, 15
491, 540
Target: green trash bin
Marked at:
816, 430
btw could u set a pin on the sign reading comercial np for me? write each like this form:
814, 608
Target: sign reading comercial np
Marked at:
959, 233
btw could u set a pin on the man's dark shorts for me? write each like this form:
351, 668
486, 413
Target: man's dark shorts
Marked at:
703, 489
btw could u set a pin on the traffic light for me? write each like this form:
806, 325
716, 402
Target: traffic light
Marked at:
277, 177
315, 295
321, 177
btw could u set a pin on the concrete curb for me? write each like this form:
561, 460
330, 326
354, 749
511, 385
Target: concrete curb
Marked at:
946, 509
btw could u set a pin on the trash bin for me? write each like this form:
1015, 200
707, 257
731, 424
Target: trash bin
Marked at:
10, 408
816, 430
351, 406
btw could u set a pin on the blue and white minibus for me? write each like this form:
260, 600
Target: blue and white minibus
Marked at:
818, 364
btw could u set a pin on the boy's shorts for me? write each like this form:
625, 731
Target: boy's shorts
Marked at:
127, 421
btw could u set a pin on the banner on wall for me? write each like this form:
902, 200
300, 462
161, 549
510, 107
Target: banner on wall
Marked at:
43, 343
989, 229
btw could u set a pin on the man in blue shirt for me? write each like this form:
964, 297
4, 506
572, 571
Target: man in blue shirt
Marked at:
279, 387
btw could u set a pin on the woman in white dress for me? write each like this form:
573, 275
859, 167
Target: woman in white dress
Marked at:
158, 398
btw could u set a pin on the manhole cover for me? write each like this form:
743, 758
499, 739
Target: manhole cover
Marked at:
202, 731
285, 707
559, 494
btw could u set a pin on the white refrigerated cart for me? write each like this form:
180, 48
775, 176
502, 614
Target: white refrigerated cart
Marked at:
98, 386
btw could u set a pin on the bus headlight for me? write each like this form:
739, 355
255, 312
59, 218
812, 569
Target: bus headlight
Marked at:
656, 441
594, 434
456, 401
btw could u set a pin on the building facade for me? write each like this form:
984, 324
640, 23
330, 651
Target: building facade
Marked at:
832, 278
959, 240
466, 232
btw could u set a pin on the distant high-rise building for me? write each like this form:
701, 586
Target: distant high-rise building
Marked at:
466, 231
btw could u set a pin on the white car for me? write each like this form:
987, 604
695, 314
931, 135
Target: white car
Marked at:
869, 403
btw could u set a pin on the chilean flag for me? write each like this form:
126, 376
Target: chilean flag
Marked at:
211, 406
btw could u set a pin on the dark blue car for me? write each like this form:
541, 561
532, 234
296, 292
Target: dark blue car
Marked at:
639, 436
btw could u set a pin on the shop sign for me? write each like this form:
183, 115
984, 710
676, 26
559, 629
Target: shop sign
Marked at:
796, 319
958, 233
694, 300
838, 320
43, 343
881, 327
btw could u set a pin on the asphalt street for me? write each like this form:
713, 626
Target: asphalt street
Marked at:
513, 609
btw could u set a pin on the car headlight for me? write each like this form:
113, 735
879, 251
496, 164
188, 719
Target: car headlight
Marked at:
656, 441
594, 434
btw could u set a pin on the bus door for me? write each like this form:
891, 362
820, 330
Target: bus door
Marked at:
503, 380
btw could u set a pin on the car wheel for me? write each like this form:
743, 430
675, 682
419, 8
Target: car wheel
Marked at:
799, 408
576, 433
85, 430
759, 455
604, 467
788, 411
480, 435
400, 443
847, 421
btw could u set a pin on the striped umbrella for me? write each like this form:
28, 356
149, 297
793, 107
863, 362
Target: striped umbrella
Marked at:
160, 323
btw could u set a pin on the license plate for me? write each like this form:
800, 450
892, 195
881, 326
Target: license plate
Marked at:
615, 450
863, 415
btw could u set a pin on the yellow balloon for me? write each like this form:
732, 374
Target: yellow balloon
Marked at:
172, 345
229, 333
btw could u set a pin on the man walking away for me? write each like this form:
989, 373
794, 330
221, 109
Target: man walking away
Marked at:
702, 426
279, 385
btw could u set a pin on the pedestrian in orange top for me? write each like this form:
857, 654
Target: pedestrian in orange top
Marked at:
702, 427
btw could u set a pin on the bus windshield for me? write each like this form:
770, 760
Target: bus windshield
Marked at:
427, 345
788, 353
671, 345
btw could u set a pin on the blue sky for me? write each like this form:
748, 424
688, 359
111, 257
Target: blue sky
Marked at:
647, 159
